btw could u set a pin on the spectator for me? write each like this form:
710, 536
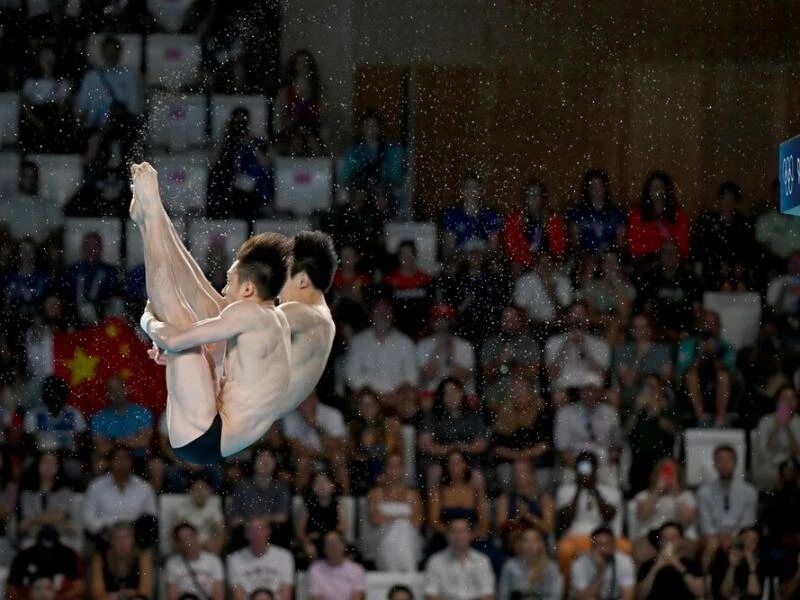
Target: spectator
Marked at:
396, 511
776, 232
740, 573
336, 577
25, 286
38, 341
665, 501
53, 424
322, 511
524, 506
410, 289
650, 430
45, 501
373, 157
122, 570
531, 574
122, 423
400, 592
670, 574
317, 432
350, 282
533, 228
360, 223
451, 426
582, 507
781, 518
469, 219
658, 220
458, 572
373, 437
205, 516
193, 569
725, 506
26, 212
575, 358
596, 224
443, 355
382, 358
543, 292
260, 565
783, 292
43, 588
108, 15
54, 28
706, 365
48, 557
509, 354
298, 107
603, 572
45, 117
261, 594
608, 294
239, 183
119, 495
723, 240
263, 496
91, 282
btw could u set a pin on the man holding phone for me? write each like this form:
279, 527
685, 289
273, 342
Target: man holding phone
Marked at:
603, 573
669, 575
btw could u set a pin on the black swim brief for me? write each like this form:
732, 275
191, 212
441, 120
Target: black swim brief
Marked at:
204, 450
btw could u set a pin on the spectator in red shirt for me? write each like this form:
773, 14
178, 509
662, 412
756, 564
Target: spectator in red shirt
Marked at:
658, 220
410, 288
532, 228
350, 282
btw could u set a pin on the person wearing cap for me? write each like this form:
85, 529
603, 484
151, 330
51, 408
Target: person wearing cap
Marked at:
442, 354
669, 575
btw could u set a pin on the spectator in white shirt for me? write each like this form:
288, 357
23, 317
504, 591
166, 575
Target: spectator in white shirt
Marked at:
458, 572
204, 513
316, 434
544, 291
382, 358
336, 577
443, 355
260, 565
603, 572
192, 569
777, 438
119, 495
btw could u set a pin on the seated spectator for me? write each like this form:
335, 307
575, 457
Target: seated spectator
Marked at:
524, 506
264, 496
322, 511
260, 565
596, 225
458, 572
122, 423
443, 355
373, 437
26, 211
658, 220
582, 507
533, 228
45, 119
54, 28
46, 501
396, 511
608, 295
317, 432
350, 282
400, 592
360, 222
543, 292
193, 569
650, 430
603, 571
665, 501
781, 519
470, 218
671, 574
373, 157
381, 358
451, 426
91, 282
204, 515
43, 588
509, 354
777, 233
336, 577
739, 573
297, 115
119, 495
48, 557
725, 506
53, 424
706, 365
777, 438
239, 183
531, 574
25, 287
783, 292
122, 570
575, 357
259, 594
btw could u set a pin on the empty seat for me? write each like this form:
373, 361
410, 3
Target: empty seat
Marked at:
287, 227
60, 175
177, 121
303, 185
425, 237
131, 44
182, 181
222, 106
739, 315
110, 229
700, 445
201, 233
9, 118
169, 13
173, 60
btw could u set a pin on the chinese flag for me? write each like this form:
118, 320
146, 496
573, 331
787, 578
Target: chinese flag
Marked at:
88, 358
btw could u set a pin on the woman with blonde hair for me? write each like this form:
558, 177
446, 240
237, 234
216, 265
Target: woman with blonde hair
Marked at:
531, 574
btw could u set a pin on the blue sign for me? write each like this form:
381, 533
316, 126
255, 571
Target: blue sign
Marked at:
789, 176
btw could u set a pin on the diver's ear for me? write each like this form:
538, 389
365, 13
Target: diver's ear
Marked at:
303, 280
249, 289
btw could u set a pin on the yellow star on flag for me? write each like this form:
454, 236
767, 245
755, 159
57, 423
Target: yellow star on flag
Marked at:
112, 331
124, 349
81, 367
125, 373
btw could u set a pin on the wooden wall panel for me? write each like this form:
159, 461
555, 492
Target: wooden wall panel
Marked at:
381, 88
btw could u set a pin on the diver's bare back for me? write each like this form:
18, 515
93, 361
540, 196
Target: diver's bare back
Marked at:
255, 378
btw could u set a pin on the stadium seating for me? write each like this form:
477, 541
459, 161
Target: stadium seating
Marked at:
183, 182
131, 56
9, 118
9, 172
378, 585
168, 504
700, 444
60, 175
425, 236
349, 503
223, 105
169, 14
109, 228
177, 121
739, 315
303, 185
286, 227
173, 61
200, 232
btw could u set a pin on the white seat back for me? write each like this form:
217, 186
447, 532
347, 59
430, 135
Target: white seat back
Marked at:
739, 315
285, 227
303, 185
173, 60
131, 55
177, 121
9, 118
183, 181
60, 175
700, 445
110, 229
169, 13
424, 236
222, 105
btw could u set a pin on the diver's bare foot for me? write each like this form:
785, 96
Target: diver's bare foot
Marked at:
145, 189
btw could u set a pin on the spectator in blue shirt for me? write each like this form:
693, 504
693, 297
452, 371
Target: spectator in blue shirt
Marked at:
26, 284
122, 423
596, 225
91, 282
469, 219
